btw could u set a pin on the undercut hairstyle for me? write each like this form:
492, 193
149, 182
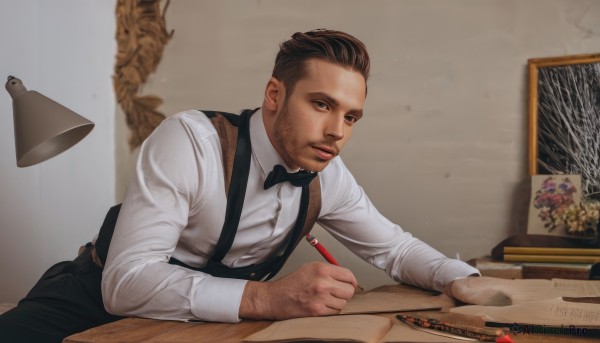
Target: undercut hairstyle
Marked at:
331, 46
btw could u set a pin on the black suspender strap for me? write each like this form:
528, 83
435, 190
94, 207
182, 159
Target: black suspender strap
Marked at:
237, 188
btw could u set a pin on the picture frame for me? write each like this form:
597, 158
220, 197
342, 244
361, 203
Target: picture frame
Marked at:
564, 118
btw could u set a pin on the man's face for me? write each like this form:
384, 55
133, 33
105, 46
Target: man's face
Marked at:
317, 119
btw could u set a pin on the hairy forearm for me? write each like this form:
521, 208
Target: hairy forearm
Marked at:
254, 301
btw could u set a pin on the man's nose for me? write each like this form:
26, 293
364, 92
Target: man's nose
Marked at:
335, 127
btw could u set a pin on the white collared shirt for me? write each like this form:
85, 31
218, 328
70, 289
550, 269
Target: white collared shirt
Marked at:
175, 206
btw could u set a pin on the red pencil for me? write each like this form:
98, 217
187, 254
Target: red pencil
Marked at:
321, 249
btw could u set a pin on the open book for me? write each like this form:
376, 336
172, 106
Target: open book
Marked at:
355, 324
348, 328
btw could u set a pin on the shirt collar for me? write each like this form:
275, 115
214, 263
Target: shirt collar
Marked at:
262, 149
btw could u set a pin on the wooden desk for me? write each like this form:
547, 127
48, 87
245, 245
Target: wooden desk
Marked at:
149, 330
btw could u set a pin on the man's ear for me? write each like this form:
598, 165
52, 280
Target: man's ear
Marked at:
274, 95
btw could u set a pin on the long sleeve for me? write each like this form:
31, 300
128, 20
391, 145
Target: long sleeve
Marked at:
351, 218
175, 207
178, 168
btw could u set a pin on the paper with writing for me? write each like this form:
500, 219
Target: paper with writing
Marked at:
503, 292
576, 288
531, 290
553, 312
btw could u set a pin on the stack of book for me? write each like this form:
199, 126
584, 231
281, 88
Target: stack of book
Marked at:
551, 255
547, 257
535, 270
545, 263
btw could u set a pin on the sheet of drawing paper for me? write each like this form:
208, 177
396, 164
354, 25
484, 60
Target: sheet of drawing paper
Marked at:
352, 328
378, 302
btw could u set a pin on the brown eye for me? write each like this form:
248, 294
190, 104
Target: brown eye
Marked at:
320, 105
351, 119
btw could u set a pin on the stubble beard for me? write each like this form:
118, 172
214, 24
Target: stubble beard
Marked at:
285, 137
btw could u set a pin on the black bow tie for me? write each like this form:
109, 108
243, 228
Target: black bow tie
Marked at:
279, 174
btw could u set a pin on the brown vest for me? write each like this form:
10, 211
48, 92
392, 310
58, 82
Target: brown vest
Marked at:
233, 131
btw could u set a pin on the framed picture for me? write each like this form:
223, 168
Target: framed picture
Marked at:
551, 198
564, 118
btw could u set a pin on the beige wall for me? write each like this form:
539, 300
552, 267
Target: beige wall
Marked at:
441, 149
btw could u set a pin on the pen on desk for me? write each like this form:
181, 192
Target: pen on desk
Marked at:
481, 334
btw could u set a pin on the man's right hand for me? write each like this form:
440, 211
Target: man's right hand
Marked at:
316, 289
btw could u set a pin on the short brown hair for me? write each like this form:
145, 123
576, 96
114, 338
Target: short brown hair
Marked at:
332, 46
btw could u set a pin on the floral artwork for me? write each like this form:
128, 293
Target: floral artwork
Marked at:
578, 220
551, 197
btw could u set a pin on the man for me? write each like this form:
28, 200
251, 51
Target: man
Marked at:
160, 259
175, 204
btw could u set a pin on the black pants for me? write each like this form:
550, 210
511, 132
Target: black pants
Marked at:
66, 300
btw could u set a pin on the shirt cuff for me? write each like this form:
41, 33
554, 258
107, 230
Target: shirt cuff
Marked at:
451, 270
218, 299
